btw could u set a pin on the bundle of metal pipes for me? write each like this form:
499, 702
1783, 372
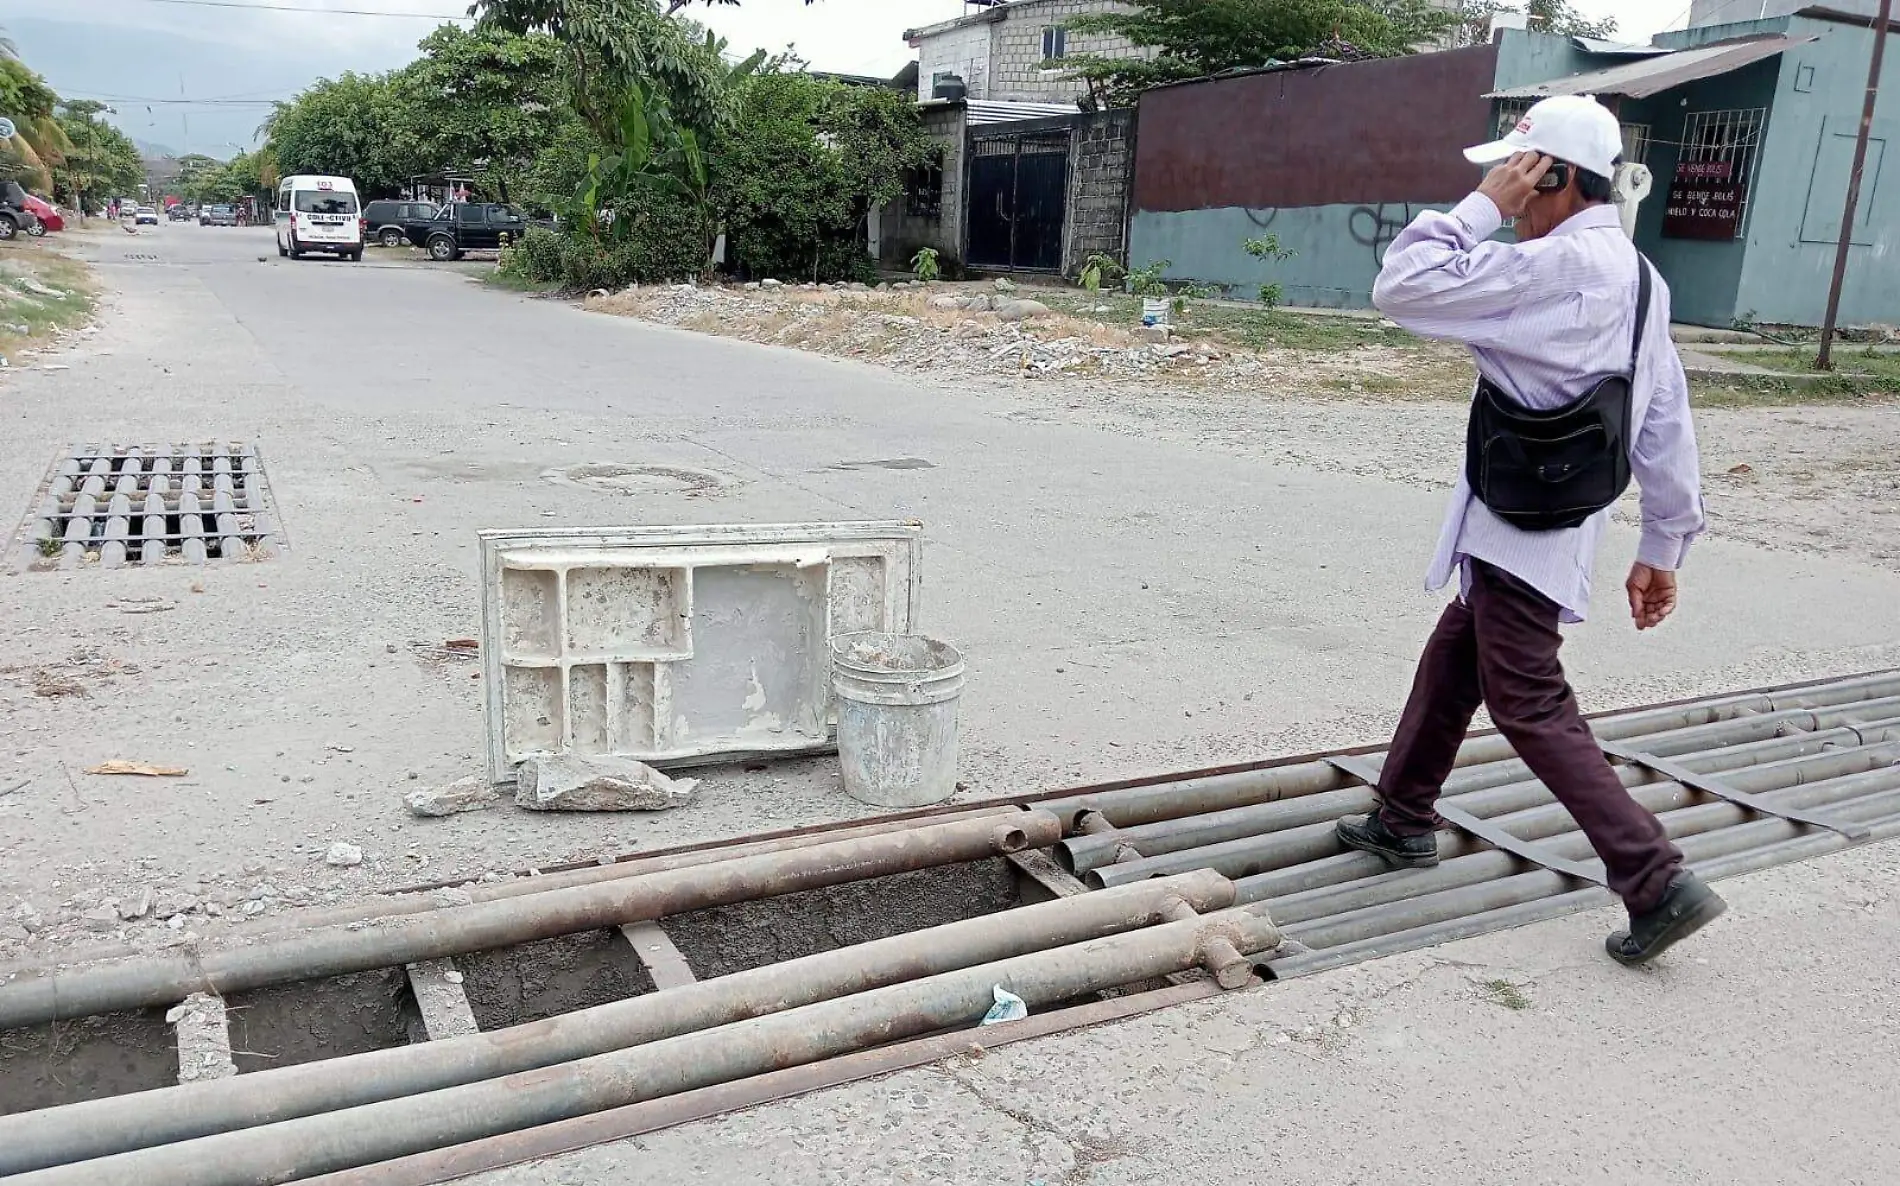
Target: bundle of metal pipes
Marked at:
1827, 753
1193, 871
281, 1125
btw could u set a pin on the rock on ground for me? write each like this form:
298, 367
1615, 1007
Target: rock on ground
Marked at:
569, 782
474, 793
342, 856
1021, 310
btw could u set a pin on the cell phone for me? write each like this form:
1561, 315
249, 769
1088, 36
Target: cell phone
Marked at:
1555, 178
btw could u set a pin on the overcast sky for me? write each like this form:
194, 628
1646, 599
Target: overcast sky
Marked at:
230, 58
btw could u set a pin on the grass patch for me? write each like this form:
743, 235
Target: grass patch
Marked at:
1873, 367
28, 318
513, 283
1773, 391
1505, 994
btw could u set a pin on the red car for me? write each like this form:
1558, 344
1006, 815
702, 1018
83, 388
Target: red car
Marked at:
46, 212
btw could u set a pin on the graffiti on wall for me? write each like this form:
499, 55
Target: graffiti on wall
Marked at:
1374, 227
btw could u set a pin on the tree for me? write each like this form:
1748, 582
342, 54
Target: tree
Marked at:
1197, 38
614, 44
802, 165
352, 126
1544, 16
102, 161
38, 143
485, 100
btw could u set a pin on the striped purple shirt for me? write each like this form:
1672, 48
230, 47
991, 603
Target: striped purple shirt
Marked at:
1547, 320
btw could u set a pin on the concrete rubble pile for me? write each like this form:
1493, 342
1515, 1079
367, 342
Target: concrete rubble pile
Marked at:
1001, 333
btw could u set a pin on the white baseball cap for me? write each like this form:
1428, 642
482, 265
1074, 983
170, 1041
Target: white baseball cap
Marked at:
1573, 128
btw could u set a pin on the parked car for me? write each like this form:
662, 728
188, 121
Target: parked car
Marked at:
14, 219
146, 214
467, 226
46, 216
218, 216
385, 218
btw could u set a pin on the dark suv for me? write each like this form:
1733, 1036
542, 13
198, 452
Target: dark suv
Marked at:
467, 226
384, 221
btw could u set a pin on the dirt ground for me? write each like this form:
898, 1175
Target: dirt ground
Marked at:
307, 694
1820, 477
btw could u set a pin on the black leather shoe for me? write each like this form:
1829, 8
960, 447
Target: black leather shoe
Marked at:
1686, 908
1401, 852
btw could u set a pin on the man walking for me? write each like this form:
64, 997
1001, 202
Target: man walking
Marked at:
1580, 389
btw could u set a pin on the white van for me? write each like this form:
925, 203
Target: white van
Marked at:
319, 214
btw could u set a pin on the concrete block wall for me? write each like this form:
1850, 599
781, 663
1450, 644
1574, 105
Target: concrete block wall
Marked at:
963, 51
903, 233
1016, 61
1101, 167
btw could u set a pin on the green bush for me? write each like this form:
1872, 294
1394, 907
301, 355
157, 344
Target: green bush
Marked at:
537, 258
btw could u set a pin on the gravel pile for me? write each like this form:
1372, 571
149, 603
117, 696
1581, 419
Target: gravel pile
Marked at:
914, 327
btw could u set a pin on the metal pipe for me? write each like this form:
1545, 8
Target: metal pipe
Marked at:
1086, 853
1373, 921
1589, 898
1278, 884
117, 1124
132, 984
1250, 856
1680, 810
422, 899
394, 1128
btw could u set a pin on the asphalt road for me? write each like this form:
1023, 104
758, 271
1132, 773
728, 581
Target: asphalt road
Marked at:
1128, 603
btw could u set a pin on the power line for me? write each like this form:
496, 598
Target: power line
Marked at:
261, 7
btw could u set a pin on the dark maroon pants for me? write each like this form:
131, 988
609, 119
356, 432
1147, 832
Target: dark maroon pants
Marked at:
1498, 646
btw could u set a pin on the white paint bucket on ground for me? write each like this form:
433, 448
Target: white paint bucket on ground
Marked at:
1155, 310
897, 717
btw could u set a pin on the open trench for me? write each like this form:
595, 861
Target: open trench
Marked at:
423, 1035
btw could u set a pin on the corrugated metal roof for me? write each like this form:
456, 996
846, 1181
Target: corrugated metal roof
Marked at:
1639, 80
990, 111
1596, 45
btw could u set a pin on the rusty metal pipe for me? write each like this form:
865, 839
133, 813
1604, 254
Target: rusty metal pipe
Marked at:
1250, 856
1483, 762
394, 1128
1087, 852
133, 984
1307, 963
1445, 905
117, 1124
1681, 811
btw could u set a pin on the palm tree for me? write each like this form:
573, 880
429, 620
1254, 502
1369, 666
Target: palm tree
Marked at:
38, 141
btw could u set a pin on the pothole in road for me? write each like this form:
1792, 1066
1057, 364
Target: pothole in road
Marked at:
613, 478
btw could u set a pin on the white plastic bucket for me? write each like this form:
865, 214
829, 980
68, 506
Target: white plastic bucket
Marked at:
897, 717
1155, 310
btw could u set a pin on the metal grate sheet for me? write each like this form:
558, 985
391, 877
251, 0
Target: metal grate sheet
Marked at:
113, 505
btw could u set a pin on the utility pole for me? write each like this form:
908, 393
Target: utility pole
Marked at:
1825, 360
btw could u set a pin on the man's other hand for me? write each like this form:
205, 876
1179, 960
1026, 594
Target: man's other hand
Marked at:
1652, 595
1510, 185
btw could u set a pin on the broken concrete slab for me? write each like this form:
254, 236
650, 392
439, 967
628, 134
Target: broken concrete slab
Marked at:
474, 793
569, 782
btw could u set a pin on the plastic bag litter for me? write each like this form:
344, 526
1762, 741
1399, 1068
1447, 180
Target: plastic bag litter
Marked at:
1008, 1007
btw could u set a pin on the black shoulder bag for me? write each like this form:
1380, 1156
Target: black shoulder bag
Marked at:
1545, 471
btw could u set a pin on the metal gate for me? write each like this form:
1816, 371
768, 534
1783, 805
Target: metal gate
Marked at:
1019, 187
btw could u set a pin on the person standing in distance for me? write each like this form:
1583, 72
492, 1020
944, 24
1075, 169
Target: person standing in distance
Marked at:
1580, 389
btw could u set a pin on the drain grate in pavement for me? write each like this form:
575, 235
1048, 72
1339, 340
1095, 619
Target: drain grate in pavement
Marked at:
148, 504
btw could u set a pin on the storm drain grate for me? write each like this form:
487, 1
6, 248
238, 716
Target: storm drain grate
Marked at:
149, 504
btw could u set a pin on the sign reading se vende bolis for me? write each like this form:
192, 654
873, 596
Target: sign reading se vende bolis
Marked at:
1705, 202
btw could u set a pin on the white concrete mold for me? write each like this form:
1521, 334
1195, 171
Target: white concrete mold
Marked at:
671, 644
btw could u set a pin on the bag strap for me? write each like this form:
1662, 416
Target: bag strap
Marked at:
1642, 310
